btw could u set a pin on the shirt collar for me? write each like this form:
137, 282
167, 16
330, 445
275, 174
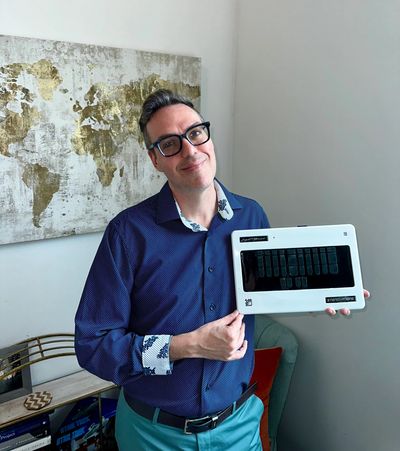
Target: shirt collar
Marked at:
224, 210
168, 210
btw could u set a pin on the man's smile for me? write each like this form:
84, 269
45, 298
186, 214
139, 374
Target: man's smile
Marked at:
193, 166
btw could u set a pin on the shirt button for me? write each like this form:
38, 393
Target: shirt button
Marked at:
210, 268
212, 307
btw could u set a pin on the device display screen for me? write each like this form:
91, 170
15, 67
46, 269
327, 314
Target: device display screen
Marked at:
297, 268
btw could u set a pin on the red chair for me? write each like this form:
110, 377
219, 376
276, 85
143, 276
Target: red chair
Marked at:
275, 357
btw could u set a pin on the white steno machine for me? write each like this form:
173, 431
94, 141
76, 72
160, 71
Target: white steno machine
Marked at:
297, 269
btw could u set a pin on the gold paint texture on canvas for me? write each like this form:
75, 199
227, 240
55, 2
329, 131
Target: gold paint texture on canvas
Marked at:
63, 107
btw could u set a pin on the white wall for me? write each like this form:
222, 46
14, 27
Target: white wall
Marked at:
41, 282
318, 141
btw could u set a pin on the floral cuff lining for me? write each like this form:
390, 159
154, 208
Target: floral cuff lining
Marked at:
155, 355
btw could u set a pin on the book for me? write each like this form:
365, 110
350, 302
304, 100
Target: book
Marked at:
40, 443
25, 432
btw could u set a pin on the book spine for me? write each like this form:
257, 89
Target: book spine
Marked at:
37, 444
11, 432
25, 439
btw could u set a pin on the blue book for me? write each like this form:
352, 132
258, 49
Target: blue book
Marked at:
24, 432
22, 427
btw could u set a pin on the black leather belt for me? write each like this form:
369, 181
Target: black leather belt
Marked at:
188, 425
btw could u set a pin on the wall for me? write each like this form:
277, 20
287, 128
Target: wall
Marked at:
317, 141
41, 282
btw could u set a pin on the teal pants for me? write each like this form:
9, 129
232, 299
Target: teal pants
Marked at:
239, 432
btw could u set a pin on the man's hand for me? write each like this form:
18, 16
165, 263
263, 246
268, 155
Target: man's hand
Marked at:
345, 311
222, 339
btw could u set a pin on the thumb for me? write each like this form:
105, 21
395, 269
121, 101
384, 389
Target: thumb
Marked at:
231, 318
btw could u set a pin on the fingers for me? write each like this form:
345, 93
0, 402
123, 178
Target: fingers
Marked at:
222, 339
242, 333
237, 322
240, 353
237, 338
229, 319
236, 332
332, 312
345, 311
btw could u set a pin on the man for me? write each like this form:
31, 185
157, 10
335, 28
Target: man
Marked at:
157, 314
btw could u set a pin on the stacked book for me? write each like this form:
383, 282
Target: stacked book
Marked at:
27, 435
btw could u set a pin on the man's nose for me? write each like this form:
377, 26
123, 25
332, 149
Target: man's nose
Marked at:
187, 147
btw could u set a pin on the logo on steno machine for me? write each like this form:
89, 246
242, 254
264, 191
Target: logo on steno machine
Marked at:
335, 299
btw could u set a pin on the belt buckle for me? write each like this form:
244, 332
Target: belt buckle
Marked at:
212, 421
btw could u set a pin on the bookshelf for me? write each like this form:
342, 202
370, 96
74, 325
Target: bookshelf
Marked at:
65, 390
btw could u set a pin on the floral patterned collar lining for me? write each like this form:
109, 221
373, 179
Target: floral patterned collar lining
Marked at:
224, 210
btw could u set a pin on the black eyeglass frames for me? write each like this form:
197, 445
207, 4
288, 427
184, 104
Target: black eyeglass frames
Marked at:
170, 145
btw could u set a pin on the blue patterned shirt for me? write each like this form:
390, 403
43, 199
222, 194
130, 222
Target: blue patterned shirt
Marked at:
155, 362
151, 278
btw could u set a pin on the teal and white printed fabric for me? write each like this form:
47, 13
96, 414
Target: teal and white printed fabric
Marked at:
224, 210
155, 355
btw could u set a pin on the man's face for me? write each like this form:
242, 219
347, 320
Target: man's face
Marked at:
194, 167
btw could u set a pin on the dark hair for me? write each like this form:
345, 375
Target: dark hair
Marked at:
157, 100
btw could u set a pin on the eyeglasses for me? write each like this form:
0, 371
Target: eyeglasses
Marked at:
170, 145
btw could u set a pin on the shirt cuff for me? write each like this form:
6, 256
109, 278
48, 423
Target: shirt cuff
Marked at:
155, 355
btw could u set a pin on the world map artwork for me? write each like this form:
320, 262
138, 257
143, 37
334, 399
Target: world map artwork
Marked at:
71, 152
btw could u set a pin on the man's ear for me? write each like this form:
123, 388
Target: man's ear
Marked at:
153, 158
